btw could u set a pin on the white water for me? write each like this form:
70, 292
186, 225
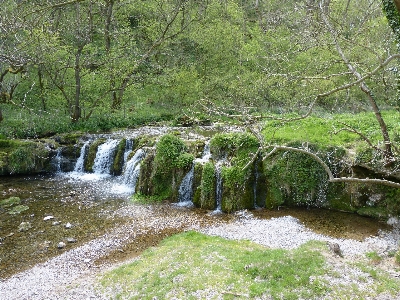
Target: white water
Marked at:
127, 182
128, 149
218, 196
57, 161
104, 157
185, 196
132, 168
79, 166
186, 189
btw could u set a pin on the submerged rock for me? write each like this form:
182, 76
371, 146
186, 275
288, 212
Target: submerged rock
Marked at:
24, 226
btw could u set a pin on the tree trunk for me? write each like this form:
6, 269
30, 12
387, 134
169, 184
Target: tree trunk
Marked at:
76, 109
388, 153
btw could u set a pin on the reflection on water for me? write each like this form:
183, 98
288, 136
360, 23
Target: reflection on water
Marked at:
332, 223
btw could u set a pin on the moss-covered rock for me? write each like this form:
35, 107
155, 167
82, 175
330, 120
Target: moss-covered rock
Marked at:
24, 157
6, 203
208, 187
116, 168
91, 155
198, 170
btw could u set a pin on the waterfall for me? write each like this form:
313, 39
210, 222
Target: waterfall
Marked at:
185, 196
128, 149
131, 173
79, 166
218, 196
57, 161
206, 156
104, 157
186, 189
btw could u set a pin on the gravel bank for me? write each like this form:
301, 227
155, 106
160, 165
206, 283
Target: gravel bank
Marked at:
71, 275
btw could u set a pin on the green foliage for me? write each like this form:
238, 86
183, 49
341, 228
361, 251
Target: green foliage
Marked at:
171, 153
237, 149
207, 186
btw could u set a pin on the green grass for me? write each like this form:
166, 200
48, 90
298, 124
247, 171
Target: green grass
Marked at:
191, 265
321, 129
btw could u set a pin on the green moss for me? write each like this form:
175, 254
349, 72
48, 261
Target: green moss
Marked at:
18, 209
208, 186
237, 149
91, 155
197, 176
10, 202
69, 138
27, 157
296, 179
171, 163
116, 168
374, 212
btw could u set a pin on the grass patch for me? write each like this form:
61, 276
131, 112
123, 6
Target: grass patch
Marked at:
189, 265
321, 130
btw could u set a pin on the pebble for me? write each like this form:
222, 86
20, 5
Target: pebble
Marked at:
68, 225
24, 226
42, 282
71, 240
48, 218
61, 245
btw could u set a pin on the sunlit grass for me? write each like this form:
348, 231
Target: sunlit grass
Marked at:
195, 266
328, 130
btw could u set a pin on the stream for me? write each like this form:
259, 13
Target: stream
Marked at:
76, 208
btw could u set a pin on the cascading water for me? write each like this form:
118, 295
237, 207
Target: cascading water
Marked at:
104, 157
186, 189
126, 183
128, 149
131, 173
79, 166
185, 195
57, 161
218, 196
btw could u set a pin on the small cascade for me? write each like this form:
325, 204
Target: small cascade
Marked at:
131, 173
185, 196
218, 194
206, 154
186, 189
104, 157
57, 161
128, 149
79, 166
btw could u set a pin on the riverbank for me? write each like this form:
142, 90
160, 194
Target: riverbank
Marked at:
72, 275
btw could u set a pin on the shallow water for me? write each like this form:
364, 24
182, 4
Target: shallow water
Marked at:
83, 204
87, 201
